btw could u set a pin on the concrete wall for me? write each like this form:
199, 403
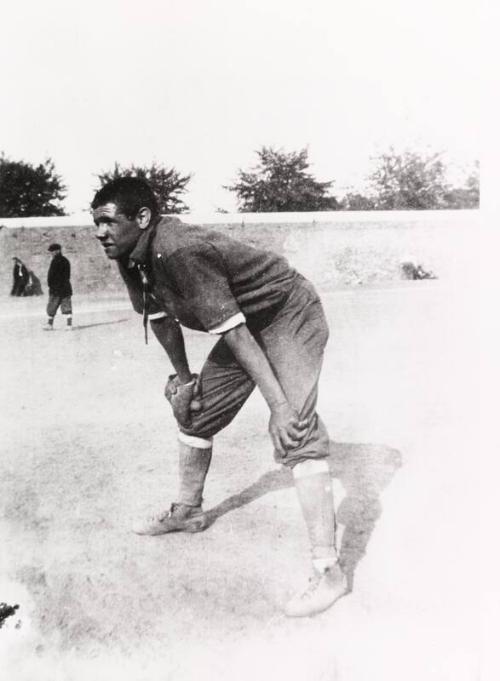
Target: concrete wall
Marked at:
333, 249
91, 271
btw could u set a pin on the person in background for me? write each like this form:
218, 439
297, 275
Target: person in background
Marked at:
60, 290
20, 277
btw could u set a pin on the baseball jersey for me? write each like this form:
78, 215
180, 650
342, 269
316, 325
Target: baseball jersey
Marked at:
204, 279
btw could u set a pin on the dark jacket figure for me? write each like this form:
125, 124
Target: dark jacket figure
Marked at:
20, 277
58, 277
60, 291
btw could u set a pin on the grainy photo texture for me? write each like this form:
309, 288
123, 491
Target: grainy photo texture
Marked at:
238, 289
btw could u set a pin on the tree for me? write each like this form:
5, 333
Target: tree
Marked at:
280, 182
468, 195
409, 181
168, 184
27, 190
357, 201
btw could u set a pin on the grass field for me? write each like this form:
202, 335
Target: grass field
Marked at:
88, 444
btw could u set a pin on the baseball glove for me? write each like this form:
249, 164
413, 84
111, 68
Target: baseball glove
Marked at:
183, 398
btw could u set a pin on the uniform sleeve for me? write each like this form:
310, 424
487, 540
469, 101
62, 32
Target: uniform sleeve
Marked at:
201, 279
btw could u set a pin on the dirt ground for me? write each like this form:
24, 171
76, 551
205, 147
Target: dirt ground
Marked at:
88, 444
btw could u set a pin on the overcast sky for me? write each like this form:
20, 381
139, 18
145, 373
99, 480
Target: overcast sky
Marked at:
201, 84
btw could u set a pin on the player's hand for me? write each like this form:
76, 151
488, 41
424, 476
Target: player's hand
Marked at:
286, 428
183, 398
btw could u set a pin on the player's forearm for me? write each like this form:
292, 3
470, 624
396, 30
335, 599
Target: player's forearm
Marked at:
252, 358
171, 338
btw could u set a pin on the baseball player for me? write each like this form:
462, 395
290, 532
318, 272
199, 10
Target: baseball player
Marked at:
272, 333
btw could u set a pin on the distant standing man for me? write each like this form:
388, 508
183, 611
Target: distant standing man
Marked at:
20, 277
271, 333
60, 291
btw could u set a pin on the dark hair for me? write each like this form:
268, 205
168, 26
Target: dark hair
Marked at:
130, 194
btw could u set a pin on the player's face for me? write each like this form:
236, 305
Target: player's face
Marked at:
117, 233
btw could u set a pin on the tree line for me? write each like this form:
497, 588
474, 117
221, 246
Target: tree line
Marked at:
280, 181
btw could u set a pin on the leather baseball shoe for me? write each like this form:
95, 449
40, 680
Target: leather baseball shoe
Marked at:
324, 589
180, 518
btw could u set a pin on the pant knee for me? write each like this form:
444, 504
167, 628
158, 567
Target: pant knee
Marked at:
315, 446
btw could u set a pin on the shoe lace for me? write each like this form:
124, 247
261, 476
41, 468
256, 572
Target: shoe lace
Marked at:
312, 584
160, 517
164, 515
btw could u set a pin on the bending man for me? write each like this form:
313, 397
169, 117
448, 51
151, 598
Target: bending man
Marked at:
272, 333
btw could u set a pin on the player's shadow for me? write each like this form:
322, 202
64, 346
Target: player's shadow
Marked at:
80, 327
364, 470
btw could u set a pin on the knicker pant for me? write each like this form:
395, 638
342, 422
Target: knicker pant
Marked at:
64, 302
294, 343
